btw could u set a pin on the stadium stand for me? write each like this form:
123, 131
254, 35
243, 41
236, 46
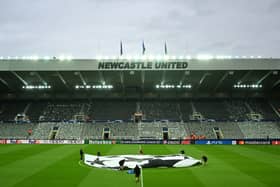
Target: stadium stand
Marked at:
112, 110
215, 110
212, 109
237, 110
69, 131
35, 110
42, 130
9, 110
263, 107
143, 130
259, 129
155, 110
16, 131
116, 130
185, 110
201, 129
56, 119
61, 111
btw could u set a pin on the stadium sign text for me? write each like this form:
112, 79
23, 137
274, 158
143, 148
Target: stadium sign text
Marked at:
142, 65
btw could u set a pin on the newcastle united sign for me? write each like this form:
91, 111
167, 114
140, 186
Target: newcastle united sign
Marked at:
142, 65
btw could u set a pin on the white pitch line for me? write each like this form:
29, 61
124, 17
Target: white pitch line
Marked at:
82, 165
142, 184
141, 175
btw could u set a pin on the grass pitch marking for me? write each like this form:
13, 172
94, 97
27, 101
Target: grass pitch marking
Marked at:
142, 184
80, 162
141, 181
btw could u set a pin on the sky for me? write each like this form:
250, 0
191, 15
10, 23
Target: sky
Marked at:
88, 28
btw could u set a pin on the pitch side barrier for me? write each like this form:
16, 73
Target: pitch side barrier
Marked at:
150, 141
238, 142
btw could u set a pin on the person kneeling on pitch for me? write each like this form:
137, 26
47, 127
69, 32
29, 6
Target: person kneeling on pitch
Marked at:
204, 159
137, 172
121, 163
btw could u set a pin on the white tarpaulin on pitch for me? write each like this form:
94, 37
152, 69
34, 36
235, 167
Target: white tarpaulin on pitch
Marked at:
144, 161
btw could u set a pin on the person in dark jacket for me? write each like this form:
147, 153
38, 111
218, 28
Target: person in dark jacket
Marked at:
137, 172
81, 154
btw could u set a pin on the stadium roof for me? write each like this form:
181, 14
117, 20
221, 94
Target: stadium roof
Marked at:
111, 78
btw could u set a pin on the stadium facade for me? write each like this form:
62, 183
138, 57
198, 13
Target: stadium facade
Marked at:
148, 98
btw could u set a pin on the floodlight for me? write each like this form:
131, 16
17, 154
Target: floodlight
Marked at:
98, 57
136, 57
158, 57
47, 58
33, 58
69, 58
61, 57
204, 57
188, 57
165, 57
229, 57
143, 57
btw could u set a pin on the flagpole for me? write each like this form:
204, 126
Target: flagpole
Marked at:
121, 49
165, 49
143, 48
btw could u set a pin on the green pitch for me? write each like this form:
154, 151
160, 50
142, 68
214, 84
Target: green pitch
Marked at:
58, 165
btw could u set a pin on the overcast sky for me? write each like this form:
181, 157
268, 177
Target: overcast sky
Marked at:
86, 28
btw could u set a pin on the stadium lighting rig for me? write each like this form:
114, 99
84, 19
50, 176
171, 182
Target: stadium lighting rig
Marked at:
100, 86
151, 57
172, 86
180, 57
247, 86
36, 87
204, 57
36, 58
